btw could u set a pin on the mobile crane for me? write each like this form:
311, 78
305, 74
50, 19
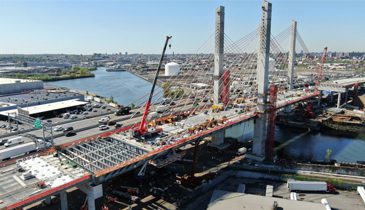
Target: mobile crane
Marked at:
142, 130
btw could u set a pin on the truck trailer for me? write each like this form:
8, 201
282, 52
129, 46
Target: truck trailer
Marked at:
310, 186
23, 149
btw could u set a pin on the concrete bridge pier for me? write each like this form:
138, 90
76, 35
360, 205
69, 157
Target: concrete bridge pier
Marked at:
339, 100
63, 199
218, 137
93, 193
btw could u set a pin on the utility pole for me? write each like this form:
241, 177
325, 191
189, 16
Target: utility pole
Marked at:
293, 38
218, 55
260, 127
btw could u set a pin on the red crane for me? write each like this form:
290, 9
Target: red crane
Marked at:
143, 128
320, 67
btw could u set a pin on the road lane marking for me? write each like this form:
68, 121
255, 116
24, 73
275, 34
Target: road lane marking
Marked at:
19, 181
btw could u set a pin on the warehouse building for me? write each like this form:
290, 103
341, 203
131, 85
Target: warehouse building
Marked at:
11, 86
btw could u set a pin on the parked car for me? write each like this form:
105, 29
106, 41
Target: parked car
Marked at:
58, 128
103, 127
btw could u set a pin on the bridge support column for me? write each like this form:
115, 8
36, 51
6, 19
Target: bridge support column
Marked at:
218, 137
339, 100
92, 192
90, 201
48, 200
63, 199
218, 55
260, 127
291, 64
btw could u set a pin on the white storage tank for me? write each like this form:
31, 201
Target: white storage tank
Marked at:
172, 69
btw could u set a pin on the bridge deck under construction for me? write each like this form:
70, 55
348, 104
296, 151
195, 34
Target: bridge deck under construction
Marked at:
102, 153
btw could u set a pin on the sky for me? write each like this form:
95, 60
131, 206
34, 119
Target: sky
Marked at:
140, 26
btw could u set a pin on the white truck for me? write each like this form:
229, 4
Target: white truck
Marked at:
161, 108
310, 186
22, 149
14, 141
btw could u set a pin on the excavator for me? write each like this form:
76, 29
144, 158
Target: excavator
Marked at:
142, 131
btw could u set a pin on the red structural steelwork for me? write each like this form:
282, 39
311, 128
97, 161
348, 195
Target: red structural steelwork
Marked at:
320, 67
273, 93
225, 91
47, 193
177, 143
286, 103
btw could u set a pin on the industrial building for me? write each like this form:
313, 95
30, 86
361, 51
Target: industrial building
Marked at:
240, 201
40, 101
11, 86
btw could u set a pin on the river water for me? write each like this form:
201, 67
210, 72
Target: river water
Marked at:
126, 88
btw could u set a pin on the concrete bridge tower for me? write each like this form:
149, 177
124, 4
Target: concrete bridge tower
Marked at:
260, 127
293, 38
218, 55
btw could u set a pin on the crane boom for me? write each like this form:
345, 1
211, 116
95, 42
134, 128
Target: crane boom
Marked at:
143, 126
320, 68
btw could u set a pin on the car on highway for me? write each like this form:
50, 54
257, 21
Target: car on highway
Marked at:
58, 128
104, 120
73, 117
103, 127
118, 125
14, 129
111, 123
68, 129
3, 141
85, 113
70, 133
3, 126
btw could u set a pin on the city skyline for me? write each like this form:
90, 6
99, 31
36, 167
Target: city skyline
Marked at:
87, 27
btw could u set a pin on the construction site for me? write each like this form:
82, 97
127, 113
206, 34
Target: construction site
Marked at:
192, 148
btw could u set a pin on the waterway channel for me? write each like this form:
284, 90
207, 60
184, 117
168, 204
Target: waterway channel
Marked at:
126, 88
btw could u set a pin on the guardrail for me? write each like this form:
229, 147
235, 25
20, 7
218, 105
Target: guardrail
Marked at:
361, 191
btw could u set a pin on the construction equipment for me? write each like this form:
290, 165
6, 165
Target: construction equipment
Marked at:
320, 67
143, 127
41, 184
217, 107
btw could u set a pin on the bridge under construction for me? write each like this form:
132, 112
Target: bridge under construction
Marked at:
89, 162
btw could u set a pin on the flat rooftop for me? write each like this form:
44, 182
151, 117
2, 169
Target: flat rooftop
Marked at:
12, 81
36, 96
237, 201
46, 107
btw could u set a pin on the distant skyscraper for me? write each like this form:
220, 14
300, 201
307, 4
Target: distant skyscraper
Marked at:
126, 53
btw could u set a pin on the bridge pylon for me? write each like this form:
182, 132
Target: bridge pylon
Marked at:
293, 38
260, 127
218, 55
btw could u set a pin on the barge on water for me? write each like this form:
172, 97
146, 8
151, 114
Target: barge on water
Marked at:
343, 122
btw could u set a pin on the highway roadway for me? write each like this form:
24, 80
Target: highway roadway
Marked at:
90, 126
